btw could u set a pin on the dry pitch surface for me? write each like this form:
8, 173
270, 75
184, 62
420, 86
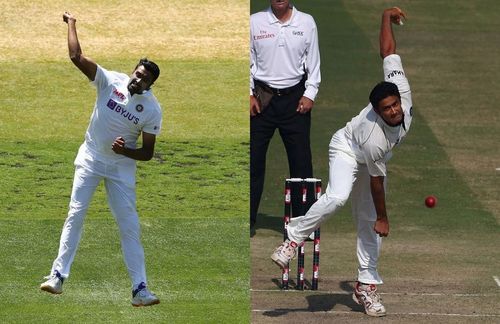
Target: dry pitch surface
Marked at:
444, 296
31, 30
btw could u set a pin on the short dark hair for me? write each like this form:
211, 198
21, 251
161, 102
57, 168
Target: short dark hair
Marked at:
149, 66
383, 90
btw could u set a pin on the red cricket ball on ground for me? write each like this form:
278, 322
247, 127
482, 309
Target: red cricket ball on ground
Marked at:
430, 201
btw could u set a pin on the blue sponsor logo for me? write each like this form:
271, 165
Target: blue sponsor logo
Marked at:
111, 104
122, 111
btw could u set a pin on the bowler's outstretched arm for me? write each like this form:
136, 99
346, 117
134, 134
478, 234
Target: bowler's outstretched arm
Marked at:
387, 40
86, 65
387, 47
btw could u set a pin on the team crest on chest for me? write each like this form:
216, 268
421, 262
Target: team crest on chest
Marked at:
139, 108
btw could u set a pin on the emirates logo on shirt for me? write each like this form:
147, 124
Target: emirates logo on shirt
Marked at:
263, 35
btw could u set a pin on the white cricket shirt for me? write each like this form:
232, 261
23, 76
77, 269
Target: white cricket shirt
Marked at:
117, 113
281, 53
371, 139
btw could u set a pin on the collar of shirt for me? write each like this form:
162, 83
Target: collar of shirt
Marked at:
386, 127
144, 94
274, 20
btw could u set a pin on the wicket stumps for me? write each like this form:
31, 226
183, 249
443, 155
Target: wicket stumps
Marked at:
300, 195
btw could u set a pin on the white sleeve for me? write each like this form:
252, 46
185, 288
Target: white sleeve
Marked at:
153, 124
375, 160
313, 65
393, 72
102, 78
253, 59
252, 66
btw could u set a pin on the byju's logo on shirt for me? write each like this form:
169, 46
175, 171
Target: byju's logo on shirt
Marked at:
122, 111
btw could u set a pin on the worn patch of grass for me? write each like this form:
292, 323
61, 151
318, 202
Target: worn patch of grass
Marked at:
184, 180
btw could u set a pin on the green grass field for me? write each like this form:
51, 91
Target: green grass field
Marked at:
193, 195
438, 264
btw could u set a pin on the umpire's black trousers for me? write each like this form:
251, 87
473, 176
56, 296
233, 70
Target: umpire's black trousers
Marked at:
294, 129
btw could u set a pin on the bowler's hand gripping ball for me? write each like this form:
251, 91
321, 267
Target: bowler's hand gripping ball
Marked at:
430, 201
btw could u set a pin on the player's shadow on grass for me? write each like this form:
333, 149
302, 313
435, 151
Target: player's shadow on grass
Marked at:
265, 221
321, 302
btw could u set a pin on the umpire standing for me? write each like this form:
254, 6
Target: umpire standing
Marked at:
284, 81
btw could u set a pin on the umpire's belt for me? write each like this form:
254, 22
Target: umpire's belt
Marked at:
281, 92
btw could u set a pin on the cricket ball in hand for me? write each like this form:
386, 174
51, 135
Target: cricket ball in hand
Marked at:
430, 201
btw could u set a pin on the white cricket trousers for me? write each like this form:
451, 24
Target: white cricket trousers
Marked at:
119, 181
346, 175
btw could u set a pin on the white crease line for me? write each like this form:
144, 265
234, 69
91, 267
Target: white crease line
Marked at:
497, 280
498, 169
381, 293
295, 311
446, 314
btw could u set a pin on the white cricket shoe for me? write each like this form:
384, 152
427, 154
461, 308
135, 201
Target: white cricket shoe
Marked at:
53, 284
367, 296
284, 253
143, 297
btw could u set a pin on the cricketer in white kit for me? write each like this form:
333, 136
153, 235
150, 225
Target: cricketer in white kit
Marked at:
125, 108
358, 154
